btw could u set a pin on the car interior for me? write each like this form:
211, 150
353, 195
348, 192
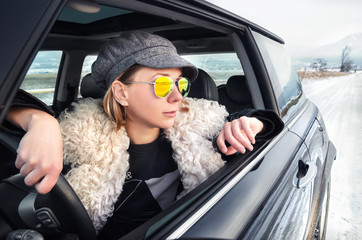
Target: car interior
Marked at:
78, 35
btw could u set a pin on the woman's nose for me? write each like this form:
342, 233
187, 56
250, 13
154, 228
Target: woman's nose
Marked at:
175, 95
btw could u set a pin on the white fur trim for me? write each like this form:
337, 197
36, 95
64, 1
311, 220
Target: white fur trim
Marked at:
99, 158
191, 137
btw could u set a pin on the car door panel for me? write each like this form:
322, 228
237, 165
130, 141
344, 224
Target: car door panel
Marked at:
286, 212
245, 202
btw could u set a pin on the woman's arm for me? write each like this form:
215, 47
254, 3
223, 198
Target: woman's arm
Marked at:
240, 134
40, 152
244, 128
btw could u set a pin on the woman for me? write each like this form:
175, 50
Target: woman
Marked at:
132, 155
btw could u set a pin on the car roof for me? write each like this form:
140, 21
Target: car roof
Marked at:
73, 26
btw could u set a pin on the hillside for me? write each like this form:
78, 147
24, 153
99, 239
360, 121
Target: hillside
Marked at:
332, 52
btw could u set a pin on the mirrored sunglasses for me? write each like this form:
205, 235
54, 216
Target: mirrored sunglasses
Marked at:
163, 86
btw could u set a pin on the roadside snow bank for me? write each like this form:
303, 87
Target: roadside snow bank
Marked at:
340, 101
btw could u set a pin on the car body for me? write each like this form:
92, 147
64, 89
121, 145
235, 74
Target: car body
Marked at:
278, 191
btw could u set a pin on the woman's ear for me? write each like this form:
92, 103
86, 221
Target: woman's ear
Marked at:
120, 93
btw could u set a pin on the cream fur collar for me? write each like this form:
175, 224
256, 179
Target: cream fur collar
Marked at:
99, 158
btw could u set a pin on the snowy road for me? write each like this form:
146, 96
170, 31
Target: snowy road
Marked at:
340, 101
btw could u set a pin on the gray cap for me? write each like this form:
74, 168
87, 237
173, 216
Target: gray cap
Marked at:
137, 47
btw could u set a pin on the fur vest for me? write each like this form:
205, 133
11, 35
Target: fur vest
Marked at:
98, 153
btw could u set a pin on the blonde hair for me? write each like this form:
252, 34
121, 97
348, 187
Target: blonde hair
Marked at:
115, 111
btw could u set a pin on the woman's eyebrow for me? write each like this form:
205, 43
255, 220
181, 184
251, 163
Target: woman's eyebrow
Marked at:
165, 74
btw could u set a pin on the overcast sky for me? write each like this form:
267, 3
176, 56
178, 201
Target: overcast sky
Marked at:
301, 22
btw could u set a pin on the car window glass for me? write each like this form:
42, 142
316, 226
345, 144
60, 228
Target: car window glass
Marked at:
220, 66
286, 84
42, 74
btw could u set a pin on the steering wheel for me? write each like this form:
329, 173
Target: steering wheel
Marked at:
59, 211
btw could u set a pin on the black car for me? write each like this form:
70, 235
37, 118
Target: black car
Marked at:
278, 191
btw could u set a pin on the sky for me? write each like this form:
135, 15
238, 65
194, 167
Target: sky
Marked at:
308, 23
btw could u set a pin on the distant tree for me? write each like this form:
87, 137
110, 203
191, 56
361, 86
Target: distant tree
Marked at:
320, 65
303, 73
346, 62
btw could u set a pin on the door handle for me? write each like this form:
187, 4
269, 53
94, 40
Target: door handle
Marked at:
305, 174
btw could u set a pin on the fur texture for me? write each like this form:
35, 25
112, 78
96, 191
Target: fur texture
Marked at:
99, 158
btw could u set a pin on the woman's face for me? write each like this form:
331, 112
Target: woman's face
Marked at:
144, 108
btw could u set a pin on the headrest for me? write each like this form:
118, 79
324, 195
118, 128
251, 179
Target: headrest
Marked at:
88, 88
204, 87
238, 90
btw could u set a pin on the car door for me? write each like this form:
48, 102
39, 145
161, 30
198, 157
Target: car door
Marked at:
260, 202
287, 210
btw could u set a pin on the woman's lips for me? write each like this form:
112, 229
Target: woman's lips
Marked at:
170, 113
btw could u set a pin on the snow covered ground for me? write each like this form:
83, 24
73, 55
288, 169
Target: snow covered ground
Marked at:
340, 101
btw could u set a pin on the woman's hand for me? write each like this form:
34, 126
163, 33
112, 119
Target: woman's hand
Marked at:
40, 152
240, 134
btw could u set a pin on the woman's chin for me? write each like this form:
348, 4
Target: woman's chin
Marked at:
167, 124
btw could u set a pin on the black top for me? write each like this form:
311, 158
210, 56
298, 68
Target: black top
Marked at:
152, 184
